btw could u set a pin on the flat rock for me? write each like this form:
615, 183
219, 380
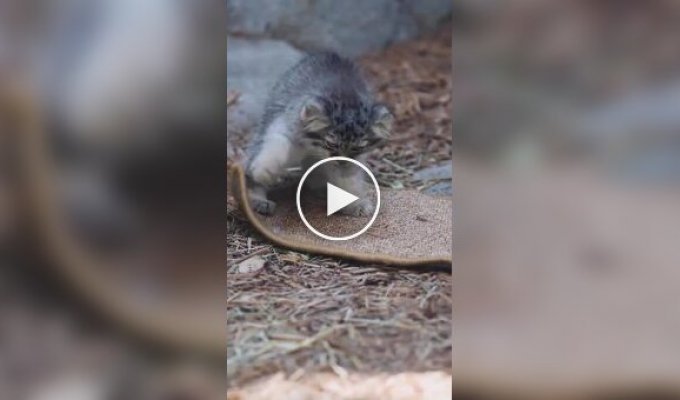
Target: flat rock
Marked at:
253, 66
443, 173
440, 189
435, 172
350, 27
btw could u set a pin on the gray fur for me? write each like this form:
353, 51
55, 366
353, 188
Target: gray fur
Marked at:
321, 107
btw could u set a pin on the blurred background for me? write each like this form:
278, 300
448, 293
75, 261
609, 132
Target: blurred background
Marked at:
112, 122
566, 199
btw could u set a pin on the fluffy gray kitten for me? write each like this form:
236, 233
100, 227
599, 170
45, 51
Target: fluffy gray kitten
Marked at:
321, 107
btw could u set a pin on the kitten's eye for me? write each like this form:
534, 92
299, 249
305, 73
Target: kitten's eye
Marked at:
363, 143
331, 139
314, 135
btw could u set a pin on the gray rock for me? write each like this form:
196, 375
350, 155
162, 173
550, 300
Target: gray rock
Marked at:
443, 173
435, 172
350, 27
428, 13
253, 66
440, 189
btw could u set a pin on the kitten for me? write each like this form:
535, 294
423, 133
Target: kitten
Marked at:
321, 107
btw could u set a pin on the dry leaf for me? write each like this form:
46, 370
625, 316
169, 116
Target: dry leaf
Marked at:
293, 257
250, 265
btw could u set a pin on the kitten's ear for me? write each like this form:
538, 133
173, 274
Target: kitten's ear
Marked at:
312, 117
382, 127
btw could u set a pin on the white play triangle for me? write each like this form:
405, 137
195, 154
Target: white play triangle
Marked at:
337, 199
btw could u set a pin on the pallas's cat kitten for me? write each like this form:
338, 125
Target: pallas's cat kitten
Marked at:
321, 107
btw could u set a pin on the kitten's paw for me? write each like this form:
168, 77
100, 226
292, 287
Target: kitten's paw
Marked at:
360, 208
263, 206
263, 176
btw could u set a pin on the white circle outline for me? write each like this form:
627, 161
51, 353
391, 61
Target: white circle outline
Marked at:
302, 216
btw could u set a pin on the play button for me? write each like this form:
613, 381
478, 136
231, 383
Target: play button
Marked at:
337, 199
344, 181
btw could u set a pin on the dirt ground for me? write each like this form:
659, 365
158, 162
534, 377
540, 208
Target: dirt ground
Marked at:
297, 314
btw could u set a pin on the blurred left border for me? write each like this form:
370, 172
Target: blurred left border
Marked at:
112, 187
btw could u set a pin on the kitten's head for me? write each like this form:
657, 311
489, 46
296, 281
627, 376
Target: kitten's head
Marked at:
346, 128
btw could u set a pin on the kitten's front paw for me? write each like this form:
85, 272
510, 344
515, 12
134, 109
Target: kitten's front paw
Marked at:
263, 206
263, 176
360, 208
